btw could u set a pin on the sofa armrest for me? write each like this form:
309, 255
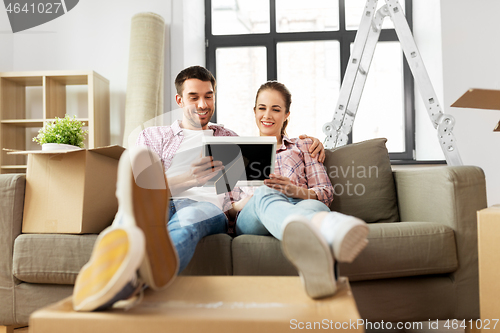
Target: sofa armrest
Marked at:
12, 188
451, 196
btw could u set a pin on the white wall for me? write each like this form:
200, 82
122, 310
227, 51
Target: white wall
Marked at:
6, 43
187, 37
460, 48
471, 53
95, 35
427, 33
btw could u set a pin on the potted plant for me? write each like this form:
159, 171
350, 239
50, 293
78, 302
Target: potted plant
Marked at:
62, 134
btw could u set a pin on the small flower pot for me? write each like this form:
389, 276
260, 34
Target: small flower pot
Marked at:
58, 146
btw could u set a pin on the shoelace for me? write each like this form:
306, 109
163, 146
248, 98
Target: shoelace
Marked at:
135, 298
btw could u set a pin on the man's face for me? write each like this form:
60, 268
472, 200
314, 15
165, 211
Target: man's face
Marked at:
197, 100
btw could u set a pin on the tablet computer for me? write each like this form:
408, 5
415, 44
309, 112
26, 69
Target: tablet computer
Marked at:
247, 161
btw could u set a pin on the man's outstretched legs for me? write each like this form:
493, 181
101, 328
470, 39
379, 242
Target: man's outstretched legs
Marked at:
190, 221
137, 239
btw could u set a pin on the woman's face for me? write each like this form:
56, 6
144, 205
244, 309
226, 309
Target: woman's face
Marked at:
270, 112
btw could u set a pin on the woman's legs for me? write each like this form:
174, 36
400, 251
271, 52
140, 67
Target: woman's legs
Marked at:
311, 235
310, 253
190, 221
266, 211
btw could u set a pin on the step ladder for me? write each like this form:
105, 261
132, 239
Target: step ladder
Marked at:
338, 129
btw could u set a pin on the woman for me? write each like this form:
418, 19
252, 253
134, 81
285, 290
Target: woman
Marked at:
293, 204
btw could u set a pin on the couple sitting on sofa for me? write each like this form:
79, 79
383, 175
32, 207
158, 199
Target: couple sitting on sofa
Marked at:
292, 205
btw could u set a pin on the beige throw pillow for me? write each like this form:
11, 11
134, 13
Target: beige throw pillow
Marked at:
362, 179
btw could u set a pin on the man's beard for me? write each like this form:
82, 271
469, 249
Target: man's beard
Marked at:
197, 122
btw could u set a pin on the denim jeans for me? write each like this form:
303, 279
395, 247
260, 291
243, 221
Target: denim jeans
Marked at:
266, 211
189, 222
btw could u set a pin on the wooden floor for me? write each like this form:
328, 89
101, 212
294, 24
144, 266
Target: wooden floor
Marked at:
12, 329
21, 330
440, 330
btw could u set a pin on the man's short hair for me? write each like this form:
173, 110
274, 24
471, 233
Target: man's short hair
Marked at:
193, 72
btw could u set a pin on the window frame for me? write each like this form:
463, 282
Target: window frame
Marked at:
344, 37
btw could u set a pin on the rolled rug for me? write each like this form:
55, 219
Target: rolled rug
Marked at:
144, 100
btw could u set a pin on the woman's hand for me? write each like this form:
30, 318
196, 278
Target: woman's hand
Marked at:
285, 186
316, 148
239, 205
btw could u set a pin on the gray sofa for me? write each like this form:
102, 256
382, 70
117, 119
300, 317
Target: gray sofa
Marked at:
424, 267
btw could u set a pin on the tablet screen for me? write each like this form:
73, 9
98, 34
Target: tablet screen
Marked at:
256, 158
247, 161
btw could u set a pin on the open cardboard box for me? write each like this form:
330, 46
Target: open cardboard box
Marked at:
480, 99
71, 192
214, 304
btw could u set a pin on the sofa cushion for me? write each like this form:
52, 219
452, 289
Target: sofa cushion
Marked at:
362, 179
57, 259
211, 257
394, 250
259, 255
404, 249
50, 258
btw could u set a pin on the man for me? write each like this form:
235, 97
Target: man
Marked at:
143, 196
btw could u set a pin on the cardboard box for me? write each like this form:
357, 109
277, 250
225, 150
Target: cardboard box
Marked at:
218, 304
71, 192
480, 99
489, 266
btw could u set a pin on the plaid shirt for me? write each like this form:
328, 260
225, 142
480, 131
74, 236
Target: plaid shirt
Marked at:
294, 161
166, 140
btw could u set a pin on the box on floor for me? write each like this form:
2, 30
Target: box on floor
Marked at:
218, 304
489, 267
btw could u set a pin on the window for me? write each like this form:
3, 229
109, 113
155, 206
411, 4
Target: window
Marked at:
306, 45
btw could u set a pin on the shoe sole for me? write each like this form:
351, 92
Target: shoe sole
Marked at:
117, 254
312, 257
352, 243
161, 263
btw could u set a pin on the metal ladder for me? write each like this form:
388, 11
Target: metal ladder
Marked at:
338, 129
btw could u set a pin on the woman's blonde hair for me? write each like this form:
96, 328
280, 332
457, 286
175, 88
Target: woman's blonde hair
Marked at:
287, 96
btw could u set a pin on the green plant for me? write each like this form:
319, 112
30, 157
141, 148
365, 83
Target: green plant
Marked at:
63, 130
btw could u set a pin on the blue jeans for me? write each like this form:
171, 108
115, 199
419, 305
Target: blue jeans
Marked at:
189, 222
266, 211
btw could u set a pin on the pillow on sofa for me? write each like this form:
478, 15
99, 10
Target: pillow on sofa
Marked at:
362, 180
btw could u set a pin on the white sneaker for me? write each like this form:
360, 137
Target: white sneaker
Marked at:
111, 273
138, 239
143, 198
346, 234
309, 252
